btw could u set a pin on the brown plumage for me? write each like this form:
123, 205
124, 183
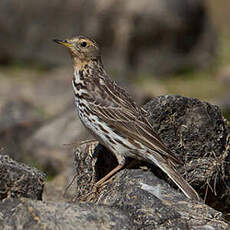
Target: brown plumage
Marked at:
113, 117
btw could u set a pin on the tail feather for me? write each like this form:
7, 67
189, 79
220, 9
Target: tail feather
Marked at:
174, 176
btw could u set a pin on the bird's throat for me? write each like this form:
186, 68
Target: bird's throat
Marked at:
79, 64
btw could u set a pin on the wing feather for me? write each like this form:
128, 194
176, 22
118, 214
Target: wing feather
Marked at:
123, 115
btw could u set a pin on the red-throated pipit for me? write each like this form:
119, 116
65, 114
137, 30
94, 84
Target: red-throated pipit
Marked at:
113, 117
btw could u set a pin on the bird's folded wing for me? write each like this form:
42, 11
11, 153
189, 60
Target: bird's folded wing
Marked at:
129, 123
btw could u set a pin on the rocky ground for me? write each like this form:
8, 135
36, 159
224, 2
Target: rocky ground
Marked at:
141, 197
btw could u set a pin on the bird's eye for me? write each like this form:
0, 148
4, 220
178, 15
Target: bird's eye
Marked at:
83, 44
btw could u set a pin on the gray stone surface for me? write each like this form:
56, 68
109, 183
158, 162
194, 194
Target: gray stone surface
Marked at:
52, 144
19, 180
19, 120
198, 133
150, 202
29, 214
154, 205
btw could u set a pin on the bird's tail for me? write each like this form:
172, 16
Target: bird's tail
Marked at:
174, 176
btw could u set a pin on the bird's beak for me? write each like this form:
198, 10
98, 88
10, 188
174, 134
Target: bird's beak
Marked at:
63, 42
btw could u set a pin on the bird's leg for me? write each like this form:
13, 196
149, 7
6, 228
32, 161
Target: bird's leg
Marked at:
102, 182
111, 173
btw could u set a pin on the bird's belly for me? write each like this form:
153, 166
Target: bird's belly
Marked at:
118, 144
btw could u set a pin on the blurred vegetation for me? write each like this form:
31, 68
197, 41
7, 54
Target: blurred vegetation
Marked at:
201, 84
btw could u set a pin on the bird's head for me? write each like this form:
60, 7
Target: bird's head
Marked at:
82, 49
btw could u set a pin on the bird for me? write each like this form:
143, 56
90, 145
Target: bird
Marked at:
113, 117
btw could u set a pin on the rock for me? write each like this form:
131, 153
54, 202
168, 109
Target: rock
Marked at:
190, 126
19, 180
36, 88
199, 135
51, 145
19, 119
29, 214
85, 163
51, 91
179, 32
150, 202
